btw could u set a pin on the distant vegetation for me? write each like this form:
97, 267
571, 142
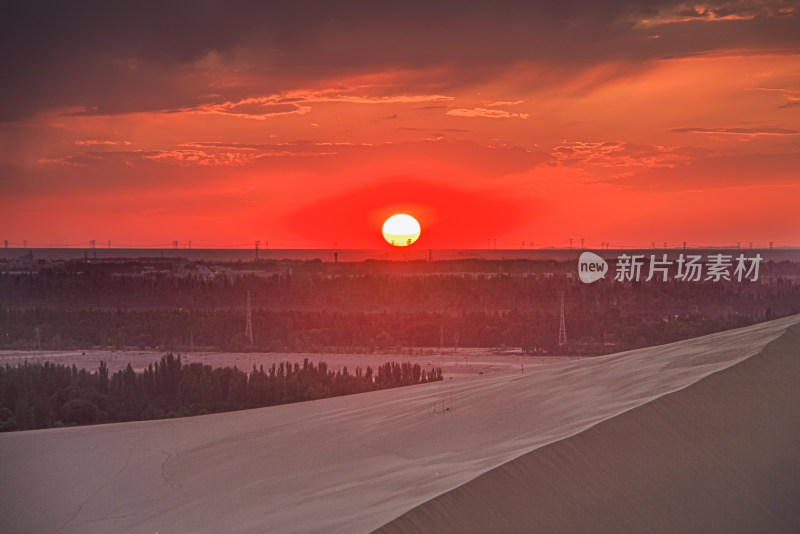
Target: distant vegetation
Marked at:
47, 395
367, 307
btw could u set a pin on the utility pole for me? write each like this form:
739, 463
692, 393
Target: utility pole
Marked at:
562, 329
248, 330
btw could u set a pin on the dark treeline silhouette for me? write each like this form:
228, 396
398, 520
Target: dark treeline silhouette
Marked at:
43, 395
468, 285
590, 331
370, 306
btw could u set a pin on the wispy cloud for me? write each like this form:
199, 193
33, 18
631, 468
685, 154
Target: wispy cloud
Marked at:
739, 132
205, 153
486, 113
449, 130
498, 104
100, 142
179, 156
70, 161
254, 108
791, 96
204, 158
619, 154
299, 102
722, 10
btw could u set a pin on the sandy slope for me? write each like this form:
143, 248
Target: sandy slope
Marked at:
349, 464
720, 456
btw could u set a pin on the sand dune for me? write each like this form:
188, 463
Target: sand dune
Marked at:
720, 456
352, 464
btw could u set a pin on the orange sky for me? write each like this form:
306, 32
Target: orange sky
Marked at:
226, 122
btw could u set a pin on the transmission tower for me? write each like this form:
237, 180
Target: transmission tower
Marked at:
562, 329
248, 330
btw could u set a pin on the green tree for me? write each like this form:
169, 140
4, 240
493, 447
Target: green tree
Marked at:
80, 412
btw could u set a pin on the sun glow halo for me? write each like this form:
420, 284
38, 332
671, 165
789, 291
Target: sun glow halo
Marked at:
401, 230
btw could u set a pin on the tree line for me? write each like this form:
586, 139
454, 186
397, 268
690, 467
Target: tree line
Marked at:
590, 329
365, 286
44, 395
370, 307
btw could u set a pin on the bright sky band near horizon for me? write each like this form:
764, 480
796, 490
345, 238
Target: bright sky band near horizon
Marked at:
307, 124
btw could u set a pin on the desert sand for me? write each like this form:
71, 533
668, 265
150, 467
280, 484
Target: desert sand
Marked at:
720, 456
700, 435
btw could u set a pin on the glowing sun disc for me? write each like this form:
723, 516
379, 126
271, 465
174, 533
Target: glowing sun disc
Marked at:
401, 230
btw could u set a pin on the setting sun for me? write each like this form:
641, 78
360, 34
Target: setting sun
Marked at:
401, 230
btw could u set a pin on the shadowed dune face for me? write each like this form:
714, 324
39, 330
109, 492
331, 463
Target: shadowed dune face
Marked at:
352, 464
719, 456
